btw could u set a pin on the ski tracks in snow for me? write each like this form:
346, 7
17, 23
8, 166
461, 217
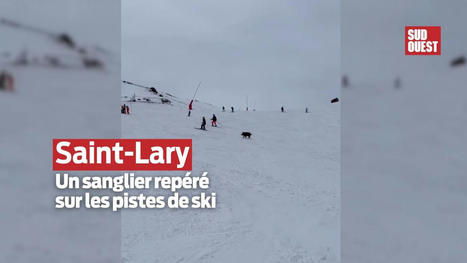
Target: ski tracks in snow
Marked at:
277, 192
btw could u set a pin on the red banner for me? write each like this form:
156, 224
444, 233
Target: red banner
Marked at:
122, 154
423, 40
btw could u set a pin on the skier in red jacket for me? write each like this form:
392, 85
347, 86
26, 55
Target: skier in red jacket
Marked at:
190, 107
214, 120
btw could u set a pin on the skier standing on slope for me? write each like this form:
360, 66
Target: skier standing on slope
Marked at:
232, 109
214, 120
190, 107
223, 108
282, 109
203, 124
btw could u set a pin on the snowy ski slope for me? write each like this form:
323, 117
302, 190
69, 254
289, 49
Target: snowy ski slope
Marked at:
278, 193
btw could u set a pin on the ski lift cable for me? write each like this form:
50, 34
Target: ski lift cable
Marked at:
194, 95
60, 37
14, 24
134, 84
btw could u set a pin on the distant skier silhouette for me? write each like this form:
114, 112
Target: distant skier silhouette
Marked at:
306, 110
6, 81
214, 120
397, 83
223, 108
203, 124
232, 108
345, 81
282, 109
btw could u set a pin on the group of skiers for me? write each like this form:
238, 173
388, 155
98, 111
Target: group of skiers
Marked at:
231, 109
213, 122
125, 109
214, 118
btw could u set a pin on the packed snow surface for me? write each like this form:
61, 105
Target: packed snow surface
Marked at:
278, 192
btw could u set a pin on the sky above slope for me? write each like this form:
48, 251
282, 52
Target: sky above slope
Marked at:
275, 52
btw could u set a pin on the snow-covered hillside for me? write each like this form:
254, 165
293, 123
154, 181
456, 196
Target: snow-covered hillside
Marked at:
278, 192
